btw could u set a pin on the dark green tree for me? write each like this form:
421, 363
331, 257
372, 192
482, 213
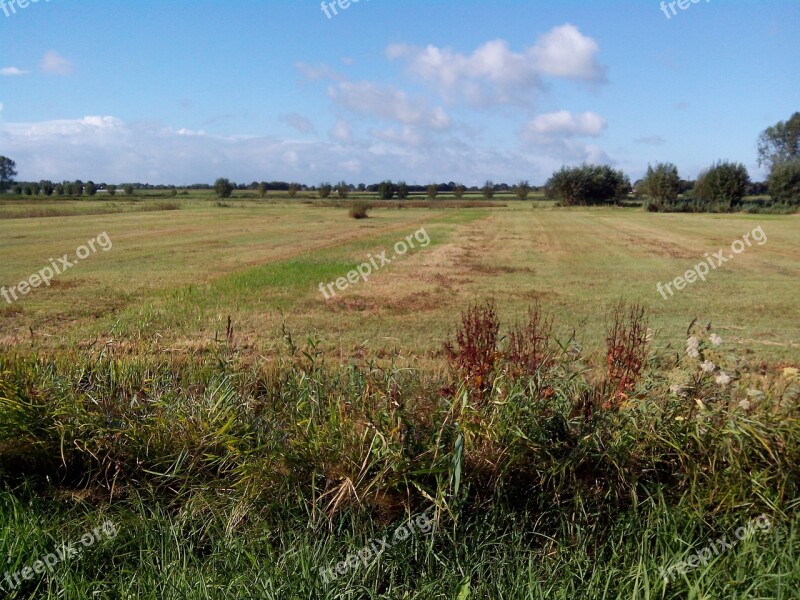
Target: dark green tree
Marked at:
402, 190
724, 184
8, 171
224, 188
386, 190
325, 190
784, 182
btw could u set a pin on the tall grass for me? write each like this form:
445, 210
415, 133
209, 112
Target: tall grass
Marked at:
549, 478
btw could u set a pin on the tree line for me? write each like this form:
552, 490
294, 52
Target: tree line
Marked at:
721, 187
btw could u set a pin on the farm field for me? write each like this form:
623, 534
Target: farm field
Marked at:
173, 277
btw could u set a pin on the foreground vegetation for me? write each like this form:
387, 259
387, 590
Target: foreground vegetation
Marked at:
547, 476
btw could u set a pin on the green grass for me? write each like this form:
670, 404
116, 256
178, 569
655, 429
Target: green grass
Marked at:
238, 462
573, 260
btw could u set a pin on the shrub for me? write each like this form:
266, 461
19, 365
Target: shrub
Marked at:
359, 210
784, 182
661, 184
386, 190
223, 187
724, 184
588, 185
325, 190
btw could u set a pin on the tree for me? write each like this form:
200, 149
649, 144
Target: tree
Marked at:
386, 190
8, 170
342, 190
724, 183
128, 189
47, 187
223, 187
522, 189
459, 190
90, 188
661, 184
780, 143
59, 189
262, 189
293, 189
488, 190
402, 190
432, 191
325, 190
587, 185
784, 182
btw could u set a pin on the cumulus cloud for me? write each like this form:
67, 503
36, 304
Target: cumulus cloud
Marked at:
494, 74
387, 102
298, 122
54, 63
12, 72
563, 124
566, 52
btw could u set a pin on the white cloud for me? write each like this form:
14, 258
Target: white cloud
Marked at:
494, 74
341, 132
54, 63
563, 124
12, 72
109, 149
566, 52
298, 122
387, 102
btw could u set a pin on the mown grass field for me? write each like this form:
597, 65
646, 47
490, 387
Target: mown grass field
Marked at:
254, 463
173, 277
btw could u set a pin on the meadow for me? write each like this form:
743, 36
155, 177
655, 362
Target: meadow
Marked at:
570, 432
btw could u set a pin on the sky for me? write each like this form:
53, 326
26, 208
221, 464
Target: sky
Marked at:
183, 92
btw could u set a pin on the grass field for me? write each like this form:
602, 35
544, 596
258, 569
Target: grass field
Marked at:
173, 277
255, 462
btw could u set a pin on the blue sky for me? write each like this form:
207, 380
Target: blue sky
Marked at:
422, 90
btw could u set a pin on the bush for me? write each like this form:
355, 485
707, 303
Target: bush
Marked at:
661, 185
784, 182
223, 187
724, 184
359, 210
325, 190
386, 190
588, 185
